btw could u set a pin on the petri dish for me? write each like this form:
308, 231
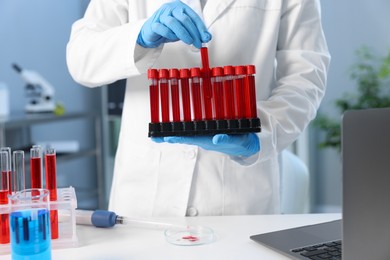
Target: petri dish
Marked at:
189, 235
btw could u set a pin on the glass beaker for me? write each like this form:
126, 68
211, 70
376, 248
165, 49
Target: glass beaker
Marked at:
30, 225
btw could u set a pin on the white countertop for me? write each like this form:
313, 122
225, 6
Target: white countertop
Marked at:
232, 239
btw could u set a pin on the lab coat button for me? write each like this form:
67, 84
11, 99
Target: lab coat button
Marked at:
192, 212
190, 154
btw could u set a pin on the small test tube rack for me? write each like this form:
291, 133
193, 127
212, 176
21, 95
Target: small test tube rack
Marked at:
66, 205
203, 101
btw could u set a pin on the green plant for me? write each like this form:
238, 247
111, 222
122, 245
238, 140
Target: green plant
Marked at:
372, 75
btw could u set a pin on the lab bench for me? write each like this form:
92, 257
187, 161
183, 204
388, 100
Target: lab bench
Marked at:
16, 131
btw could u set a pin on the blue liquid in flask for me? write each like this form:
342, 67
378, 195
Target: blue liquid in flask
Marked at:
30, 234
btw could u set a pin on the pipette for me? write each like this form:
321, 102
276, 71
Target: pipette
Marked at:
175, 234
107, 219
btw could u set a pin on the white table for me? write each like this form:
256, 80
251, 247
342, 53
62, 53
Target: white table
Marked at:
232, 242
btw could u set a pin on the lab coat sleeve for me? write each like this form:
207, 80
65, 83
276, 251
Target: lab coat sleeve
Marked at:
302, 61
102, 46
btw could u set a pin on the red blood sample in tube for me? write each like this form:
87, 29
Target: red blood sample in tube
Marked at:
207, 95
154, 96
250, 92
195, 91
4, 218
204, 52
174, 80
36, 168
217, 74
185, 94
51, 185
8, 169
206, 84
228, 92
164, 88
4, 191
239, 89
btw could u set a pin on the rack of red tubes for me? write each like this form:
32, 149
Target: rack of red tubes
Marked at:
203, 101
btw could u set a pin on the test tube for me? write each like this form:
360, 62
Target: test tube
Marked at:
217, 79
185, 94
164, 88
4, 191
9, 170
250, 93
19, 174
51, 185
36, 167
239, 85
204, 52
206, 84
196, 93
174, 76
228, 92
154, 96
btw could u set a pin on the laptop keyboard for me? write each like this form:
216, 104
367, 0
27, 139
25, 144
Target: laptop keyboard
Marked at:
330, 250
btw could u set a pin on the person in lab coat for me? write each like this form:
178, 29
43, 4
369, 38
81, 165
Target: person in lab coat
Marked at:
122, 39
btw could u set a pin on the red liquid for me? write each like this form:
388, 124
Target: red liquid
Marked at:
4, 219
164, 101
154, 103
175, 96
191, 238
204, 52
36, 172
154, 96
239, 85
185, 94
164, 88
10, 183
207, 95
250, 97
196, 99
206, 84
228, 92
218, 100
51, 185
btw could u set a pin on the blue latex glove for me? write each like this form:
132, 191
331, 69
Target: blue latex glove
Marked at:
172, 22
237, 145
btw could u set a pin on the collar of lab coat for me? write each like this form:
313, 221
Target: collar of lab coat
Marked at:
212, 10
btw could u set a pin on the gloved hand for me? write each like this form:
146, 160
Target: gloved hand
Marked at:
172, 22
237, 145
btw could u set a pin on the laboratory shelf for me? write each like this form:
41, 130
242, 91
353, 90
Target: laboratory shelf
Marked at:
16, 132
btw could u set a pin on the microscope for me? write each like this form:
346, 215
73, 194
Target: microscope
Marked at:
40, 91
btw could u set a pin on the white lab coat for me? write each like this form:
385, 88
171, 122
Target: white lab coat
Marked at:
283, 38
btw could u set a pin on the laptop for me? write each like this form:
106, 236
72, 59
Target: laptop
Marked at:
364, 232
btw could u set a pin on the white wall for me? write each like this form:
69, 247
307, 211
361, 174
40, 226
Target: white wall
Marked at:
348, 25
